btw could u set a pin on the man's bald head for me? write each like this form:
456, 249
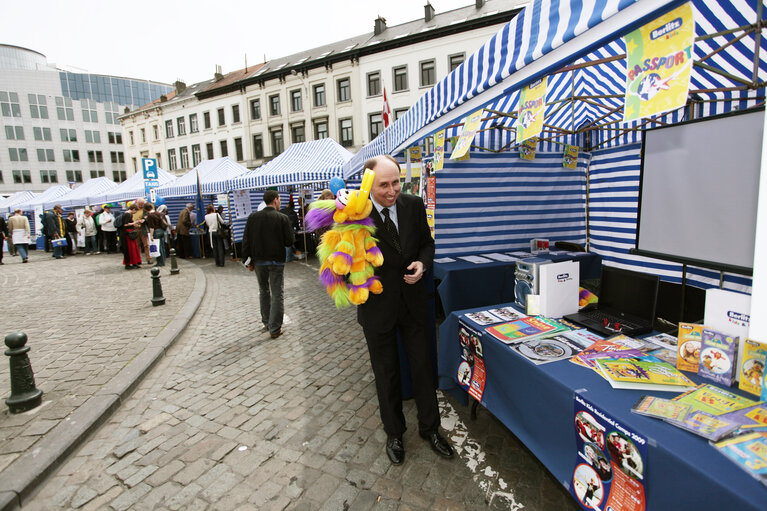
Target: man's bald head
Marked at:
386, 185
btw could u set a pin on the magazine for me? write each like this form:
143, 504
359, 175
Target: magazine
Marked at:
542, 351
483, 318
524, 329
664, 354
749, 452
705, 425
507, 313
688, 354
752, 417
663, 341
618, 343
718, 356
643, 373
752, 369
660, 408
714, 400
583, 336
589, 359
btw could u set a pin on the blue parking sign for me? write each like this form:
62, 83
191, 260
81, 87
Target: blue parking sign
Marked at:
149, 165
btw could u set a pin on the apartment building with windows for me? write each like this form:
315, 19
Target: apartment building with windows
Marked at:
335, 91
61, 127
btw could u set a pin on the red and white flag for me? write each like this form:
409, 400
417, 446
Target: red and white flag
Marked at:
386, 110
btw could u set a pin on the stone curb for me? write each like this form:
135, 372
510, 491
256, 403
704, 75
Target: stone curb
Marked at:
21, 477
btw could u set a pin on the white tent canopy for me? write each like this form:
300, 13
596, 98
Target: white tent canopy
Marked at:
17, 198
214, 176
51, 194
133, 187
83, 195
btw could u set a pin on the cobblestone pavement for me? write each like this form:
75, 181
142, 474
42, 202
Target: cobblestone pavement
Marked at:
86, 319
231, 419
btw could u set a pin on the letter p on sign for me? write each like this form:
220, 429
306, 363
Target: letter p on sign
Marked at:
149, 165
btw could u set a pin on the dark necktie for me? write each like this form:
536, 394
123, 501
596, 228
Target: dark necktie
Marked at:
392, 230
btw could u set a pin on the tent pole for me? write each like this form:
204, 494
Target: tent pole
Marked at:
757, 41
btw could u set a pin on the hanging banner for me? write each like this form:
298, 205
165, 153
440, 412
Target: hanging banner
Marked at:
471, 374
431, 192
527, 149
241, 203
570, 159
430, 220
470, 127
415, 154
532, 100
610, 463
439, 150
453, 143
659, 61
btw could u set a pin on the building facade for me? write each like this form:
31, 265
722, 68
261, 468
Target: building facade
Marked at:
61, 127
335, 91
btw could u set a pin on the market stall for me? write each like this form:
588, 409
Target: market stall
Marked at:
84, 195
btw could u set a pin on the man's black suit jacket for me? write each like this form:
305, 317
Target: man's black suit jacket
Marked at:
380, 311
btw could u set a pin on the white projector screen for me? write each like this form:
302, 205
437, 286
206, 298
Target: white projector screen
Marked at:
698, 192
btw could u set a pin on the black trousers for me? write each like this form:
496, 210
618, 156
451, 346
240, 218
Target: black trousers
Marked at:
384, 358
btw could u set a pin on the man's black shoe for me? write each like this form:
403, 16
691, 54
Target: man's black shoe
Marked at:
395, 450
438, 444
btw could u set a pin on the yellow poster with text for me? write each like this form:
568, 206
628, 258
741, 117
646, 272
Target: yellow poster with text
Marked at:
415, 154
470, 127
532, 101
570, 159
439, 150
660, 56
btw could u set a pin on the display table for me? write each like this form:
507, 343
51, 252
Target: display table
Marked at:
464, 284
536, 404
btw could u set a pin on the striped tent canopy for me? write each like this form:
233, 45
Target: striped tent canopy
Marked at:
17, 198
133, 187
586, 74
51, 194
302, 163
215, 177
83, 195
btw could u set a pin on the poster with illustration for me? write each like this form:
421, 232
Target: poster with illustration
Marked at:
532, 101
439, 150
660, 57
610, 462
471, 370
470, 127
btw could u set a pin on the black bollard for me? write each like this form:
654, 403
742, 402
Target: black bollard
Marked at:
173, 264
24, 394
157, 297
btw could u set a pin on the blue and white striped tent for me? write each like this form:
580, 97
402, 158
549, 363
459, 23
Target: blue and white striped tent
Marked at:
215, 177
133, 187
580, 49
14, 199
51, 194
84, 195
302, 163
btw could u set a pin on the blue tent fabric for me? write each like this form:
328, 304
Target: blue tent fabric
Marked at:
52, 193
133, 187
302, 163
215, 177
15, 199
85, 194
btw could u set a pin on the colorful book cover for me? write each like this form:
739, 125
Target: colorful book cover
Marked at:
749, 452
751, 417
664, 354
550, 349
643, 373
714, 400
688, 354
752, 369
660, 408
618, 343
582, 336
590, 358
705, 425
523, 329
718, 356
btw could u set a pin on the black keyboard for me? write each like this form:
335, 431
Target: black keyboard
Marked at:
599, 316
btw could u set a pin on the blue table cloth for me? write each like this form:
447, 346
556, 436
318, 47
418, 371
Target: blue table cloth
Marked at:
536, 404
464, 284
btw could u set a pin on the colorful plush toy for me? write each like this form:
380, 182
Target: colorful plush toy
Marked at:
348, 250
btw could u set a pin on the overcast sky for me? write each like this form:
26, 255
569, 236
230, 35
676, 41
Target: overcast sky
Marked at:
164, 40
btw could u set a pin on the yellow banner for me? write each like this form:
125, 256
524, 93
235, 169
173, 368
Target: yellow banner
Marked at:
439, 150
527, 149
470, 127
415, 154
659, 64
570, 160
532, 101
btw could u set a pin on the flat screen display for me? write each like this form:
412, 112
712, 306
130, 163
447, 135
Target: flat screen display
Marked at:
699, 189
628, 292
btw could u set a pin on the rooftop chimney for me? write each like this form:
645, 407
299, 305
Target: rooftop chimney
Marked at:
428, 12
480, 3
163, 98
218, 75
380, 26
180, 86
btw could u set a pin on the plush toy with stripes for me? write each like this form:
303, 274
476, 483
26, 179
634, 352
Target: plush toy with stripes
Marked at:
348, 250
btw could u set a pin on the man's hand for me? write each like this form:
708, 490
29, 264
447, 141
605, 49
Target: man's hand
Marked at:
250, 267
417, 268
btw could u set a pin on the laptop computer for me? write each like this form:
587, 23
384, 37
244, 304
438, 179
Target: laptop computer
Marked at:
627, 302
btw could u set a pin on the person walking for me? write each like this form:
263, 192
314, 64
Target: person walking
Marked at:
107, 222
182, 232
88, 225
267, 233
70, 225
408, 251
129, 238
4, 237
155, 222
18, 226
56, 229
214, 223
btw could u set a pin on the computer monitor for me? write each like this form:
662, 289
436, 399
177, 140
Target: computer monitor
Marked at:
623, 292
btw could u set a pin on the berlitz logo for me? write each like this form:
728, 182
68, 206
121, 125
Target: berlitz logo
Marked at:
563, 277
667, 28
739, 318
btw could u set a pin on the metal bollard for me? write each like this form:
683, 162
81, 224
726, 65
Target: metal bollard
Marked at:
24, 394
157, 297
173, 264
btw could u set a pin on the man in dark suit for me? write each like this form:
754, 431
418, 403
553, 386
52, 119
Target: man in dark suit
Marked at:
408, 251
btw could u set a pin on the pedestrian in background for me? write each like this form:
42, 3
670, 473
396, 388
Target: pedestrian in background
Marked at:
267, 233
182, 232
88, 225
290, 212
214, 222
155, 221
129, 237
3, 237
107, 222
70, 225
18, 226
56, 228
